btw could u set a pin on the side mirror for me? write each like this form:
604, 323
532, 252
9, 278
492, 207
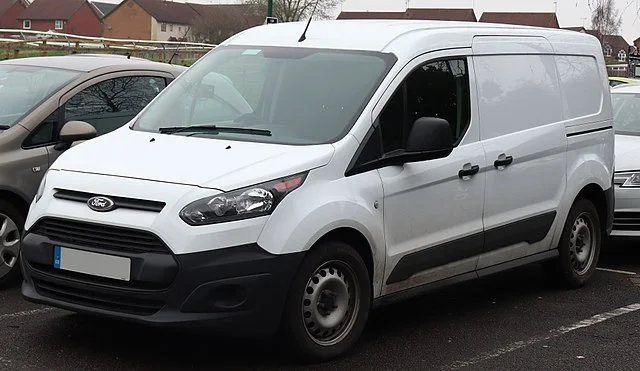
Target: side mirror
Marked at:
74, 131
430, 138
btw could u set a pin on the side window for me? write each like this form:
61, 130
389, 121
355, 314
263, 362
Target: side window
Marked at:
112, 103
437, 89
44, 134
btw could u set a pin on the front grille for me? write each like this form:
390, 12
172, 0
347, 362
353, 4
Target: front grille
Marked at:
94, 299
100, 236
119, 202
626, 221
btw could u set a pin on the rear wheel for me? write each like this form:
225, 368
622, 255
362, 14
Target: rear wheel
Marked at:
579, 246
328, 304
11, 226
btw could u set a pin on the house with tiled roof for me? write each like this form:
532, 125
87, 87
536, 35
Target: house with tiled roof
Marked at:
535, 19
432, 14
438, 14
77, 17
149, 20
170, 20
9, 12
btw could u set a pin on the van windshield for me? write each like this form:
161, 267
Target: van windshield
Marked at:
626, 113
23, 88
296, 95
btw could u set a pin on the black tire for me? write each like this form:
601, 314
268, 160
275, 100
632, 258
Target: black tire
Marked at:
298, 315
574, 267
12, 277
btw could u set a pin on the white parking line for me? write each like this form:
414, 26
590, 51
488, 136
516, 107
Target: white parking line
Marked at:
552, 334
24, 314
616, 271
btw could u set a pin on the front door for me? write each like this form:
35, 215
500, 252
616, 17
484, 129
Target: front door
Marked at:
433, 209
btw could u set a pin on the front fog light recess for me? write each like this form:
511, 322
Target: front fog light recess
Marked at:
250, 202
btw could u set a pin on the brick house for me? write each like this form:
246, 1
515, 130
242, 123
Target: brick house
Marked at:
9, 12
535, 19
432, 14
77, 17
149, 20
615, 47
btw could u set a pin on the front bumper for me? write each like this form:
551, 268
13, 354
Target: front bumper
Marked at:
241, 290
626, 220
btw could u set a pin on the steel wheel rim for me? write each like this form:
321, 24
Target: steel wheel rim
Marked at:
330, 303
9, 244
582, 243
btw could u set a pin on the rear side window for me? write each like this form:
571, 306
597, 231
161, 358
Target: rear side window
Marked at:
516, 93
582, 92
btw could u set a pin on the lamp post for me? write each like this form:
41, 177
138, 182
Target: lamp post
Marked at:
269, 8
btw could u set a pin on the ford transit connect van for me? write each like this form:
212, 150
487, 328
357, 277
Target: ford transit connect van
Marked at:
291, 182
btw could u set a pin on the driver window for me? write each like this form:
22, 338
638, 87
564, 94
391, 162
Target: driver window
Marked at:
436, 89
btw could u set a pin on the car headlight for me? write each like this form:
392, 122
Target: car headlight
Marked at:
40, 191
627, 180
249, 202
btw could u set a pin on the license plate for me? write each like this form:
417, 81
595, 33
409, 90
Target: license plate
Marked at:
91, 263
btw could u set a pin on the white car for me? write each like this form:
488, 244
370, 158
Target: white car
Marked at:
626, 116
357, 165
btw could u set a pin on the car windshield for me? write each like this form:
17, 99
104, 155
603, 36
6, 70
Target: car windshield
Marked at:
299, 95
626, 113
23, 88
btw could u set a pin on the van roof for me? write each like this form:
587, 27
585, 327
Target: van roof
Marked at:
374, 35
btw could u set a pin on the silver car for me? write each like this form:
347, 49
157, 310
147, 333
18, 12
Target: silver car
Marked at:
626, 107
48, 104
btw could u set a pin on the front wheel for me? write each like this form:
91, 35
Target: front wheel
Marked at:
328, 304
579, 246
11, 224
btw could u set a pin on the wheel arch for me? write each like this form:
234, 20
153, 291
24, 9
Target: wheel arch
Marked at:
16, 200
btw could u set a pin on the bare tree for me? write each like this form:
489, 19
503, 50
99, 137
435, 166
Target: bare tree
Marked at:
295, 10
605, 17
224, 22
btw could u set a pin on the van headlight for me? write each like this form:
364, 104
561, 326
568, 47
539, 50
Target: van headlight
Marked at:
632, 181
249, 202
40, 191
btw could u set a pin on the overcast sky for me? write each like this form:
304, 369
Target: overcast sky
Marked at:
570, 12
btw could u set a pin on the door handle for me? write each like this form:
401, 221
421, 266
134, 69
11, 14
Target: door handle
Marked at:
473, 170
500, 162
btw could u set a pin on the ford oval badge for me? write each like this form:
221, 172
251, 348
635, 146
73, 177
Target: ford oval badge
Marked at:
101, 204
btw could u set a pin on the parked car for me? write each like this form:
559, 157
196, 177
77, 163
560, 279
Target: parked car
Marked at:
626, 109
333, 175
617, 81
37, 97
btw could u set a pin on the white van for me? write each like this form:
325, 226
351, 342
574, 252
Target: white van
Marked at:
292, 185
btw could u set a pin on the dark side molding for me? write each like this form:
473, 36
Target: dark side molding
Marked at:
530, 230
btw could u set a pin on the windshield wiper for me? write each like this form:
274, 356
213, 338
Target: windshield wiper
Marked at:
5, 127
213, 128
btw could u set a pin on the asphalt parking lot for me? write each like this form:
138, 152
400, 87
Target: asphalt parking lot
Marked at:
514, 320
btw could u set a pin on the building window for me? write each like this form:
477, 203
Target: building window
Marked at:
608, 51
59, 25
171, 27
622, 56
26, 24
163, 27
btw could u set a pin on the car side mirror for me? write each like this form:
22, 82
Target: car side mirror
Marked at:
430, 138
74, 131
